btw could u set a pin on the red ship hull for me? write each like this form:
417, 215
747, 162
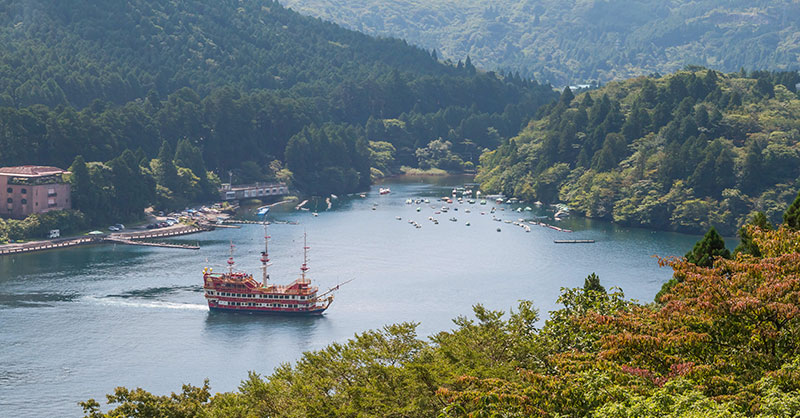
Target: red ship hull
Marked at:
256, 311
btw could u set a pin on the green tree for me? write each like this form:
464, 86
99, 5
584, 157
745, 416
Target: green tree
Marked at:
131, 189
166, 173
747, 245
81, 186
707, 249
592, 282
792, 216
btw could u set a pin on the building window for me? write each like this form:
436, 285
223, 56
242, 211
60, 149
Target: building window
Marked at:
24, 201
10, 200
24, 190
10, 190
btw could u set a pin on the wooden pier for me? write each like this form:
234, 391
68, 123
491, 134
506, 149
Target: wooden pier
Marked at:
241, 222
127, 238
169, 232
49, 245
223, 225
151, 244
228, 222
573, 241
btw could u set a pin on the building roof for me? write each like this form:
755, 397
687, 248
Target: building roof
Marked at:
31, 171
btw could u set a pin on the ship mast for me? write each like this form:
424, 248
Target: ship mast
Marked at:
230, 260
304, 268
265, 258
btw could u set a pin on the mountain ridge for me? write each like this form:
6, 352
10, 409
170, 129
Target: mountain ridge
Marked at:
582, 41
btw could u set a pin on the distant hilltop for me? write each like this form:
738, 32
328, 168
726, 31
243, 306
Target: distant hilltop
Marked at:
577, 42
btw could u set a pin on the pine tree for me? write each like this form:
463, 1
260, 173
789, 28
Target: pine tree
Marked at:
81, 186
747, 246
707, 249
189, 156
566, 96
752, 168
792, 216
587, 101
592, 282
468, 66
166, 172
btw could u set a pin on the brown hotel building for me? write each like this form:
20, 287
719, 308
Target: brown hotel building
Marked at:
32, 189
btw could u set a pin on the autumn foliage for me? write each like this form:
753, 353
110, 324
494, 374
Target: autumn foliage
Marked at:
722, 342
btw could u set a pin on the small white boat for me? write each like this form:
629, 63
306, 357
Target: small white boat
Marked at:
315, 213
384, 190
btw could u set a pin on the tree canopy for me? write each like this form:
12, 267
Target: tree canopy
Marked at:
233, 83
722, 344
685, 152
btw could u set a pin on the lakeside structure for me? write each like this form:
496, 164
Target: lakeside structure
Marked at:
29, 189
251, 191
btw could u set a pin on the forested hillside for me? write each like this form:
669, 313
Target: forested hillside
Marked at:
572, 42
240, 81
73, 52
686, 151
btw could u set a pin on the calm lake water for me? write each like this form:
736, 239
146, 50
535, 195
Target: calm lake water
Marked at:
76, 323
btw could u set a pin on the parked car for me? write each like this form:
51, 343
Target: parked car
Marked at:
120, 226
113, 228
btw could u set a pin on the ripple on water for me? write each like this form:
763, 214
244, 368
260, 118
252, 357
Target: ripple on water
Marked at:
34, 299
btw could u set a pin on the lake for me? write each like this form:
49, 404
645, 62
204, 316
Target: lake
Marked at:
78, 322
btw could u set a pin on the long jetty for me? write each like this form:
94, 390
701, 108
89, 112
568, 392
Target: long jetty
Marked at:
171, 232
151, 244
241, 222
127, 238
574, 241
49, 245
